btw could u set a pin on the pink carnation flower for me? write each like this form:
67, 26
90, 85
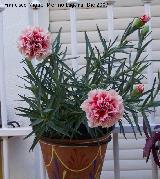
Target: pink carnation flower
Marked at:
144, 19
139, 88
34, 42
103, 108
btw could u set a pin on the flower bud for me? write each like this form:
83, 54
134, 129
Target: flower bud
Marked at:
144, 19
138, 89
137, 23
140, 22
145, 30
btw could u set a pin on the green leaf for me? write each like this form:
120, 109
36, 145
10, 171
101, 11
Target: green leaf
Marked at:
57, 128
122, 129
146, 121
37, 122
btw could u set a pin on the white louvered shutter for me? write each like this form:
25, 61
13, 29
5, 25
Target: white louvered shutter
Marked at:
132, 163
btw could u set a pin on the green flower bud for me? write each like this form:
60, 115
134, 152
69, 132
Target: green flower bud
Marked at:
137, 23
138, 89
145, 30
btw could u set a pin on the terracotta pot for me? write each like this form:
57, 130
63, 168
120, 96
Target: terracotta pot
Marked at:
74, 159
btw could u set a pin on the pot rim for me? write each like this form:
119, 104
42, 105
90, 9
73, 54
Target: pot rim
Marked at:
69, 142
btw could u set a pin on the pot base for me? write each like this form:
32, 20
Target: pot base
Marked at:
64, 161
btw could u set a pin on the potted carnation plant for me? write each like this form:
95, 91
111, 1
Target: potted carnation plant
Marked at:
72, 116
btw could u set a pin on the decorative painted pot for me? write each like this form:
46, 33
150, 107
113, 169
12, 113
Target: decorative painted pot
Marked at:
74, 159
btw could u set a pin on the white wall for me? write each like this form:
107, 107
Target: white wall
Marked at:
22, 163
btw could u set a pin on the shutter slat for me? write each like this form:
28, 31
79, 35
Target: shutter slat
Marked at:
90, 25
81, 47
93, 35
126, 165
138, 174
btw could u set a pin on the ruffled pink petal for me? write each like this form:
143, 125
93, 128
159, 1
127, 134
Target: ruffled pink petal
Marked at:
103, 108
34, 42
